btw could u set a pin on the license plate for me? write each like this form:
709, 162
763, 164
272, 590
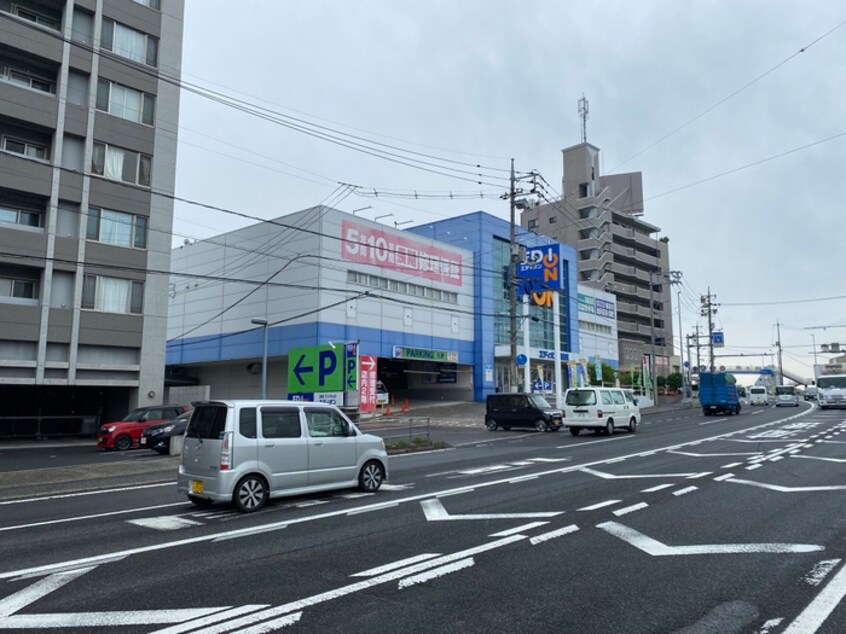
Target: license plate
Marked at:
196, 486
142, 440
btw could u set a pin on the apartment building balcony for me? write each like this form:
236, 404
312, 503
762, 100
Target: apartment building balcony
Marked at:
23, 35
632, 309
602, 262
630, 290
638, 329
635, 257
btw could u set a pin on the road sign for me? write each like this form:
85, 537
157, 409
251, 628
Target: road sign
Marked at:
522, 359
718, 339
351, 366
766, 371
368, 366
316, 369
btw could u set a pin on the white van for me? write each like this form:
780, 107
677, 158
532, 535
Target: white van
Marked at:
758, 395
786, 395
600, 409
245, 452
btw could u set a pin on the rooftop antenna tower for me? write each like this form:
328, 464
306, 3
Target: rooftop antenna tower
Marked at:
584, 114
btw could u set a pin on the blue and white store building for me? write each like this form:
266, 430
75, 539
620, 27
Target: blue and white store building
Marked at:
598, 326
430, 305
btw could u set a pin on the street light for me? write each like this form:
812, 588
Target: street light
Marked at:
263, 324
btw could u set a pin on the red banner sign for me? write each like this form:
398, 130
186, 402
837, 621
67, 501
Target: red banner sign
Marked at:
369, 245
367, 366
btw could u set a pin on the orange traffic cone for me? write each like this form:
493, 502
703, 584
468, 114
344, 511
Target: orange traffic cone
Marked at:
405, 405
388, 409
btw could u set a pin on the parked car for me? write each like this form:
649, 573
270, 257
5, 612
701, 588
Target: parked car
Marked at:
157, 437
758, 395
516, 409
125, 434
382, 395
786, 395
247, 451
600, 409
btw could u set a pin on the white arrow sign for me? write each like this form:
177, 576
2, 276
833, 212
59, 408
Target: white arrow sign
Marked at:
657, 549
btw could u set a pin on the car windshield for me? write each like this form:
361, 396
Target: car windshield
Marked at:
581, 397
539, 401
784, 390
136, 414
826, 382
758, 390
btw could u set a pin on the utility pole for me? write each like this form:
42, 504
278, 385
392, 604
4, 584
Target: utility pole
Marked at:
652, 377
780, 366
512, 282
709, 310
698, 359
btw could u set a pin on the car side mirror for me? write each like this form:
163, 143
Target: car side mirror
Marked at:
635, 401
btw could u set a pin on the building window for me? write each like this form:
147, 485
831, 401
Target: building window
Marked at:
129, 43
553, 220
35, 16
153, 4
122, 165
532, 224
18, 288
583, 190
126, 103
112, 295
26, 217
26, 79
26, 148
117, 228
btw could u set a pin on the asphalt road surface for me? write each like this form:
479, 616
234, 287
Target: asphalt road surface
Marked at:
693, 525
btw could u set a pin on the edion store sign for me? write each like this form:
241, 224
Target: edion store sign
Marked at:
368, 245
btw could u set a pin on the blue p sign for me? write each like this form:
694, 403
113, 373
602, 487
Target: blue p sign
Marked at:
327, 362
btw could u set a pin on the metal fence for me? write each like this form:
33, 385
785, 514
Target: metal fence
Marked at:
39, 426
398, 427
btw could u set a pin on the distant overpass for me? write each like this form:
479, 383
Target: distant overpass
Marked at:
768, 371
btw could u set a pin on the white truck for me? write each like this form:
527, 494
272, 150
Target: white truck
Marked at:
831, 385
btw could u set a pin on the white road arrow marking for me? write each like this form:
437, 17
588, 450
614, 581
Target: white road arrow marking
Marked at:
657, 549
165, 522
783, 489
435, 512
31, 594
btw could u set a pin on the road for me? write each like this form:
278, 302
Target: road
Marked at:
694, 524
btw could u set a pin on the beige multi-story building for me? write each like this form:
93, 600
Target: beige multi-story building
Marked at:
89, 103
617, 251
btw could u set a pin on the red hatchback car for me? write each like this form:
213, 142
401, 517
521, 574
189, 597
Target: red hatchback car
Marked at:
124, 434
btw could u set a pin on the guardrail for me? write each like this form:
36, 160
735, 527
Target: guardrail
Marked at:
399, 428
38, 426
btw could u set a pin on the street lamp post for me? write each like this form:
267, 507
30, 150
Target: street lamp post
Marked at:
263, 324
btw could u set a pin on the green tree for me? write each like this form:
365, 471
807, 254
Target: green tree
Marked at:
674, 381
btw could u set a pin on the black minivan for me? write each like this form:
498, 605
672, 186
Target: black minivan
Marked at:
517, 409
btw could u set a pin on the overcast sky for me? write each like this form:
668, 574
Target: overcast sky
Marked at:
481, 81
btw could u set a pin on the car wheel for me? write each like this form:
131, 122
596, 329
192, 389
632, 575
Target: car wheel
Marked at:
200, 501
250, 494
371, 476
609, 428
575, 430
491, 425
632, 425
540, 425
123, 442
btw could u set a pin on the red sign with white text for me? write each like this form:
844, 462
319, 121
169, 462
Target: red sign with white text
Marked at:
367, 375
369, 245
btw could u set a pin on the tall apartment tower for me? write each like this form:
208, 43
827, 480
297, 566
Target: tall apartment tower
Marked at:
600, 215
89, 108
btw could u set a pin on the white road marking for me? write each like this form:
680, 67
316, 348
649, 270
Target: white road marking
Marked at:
402, 563
820, 571
36, 591
711, 422
769, 625
423, 577
753, 467
396, 487
550, 459
731, 465
782, 489
611, 476
484, 470
839, 460
518, 529
435, 512
725, 476
595, 442
493, 440
630, 509
657, 549
813, 616
62, 496
271, 626
685, 491
760, 411
657, 488
370, 509
212, 619
89, 517
713, 455
304, 505
545, 537
613, 460
164, 522
696, 476
599, 505
777, 458
524, 478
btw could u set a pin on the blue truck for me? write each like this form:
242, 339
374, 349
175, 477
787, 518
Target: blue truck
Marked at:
718, 393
